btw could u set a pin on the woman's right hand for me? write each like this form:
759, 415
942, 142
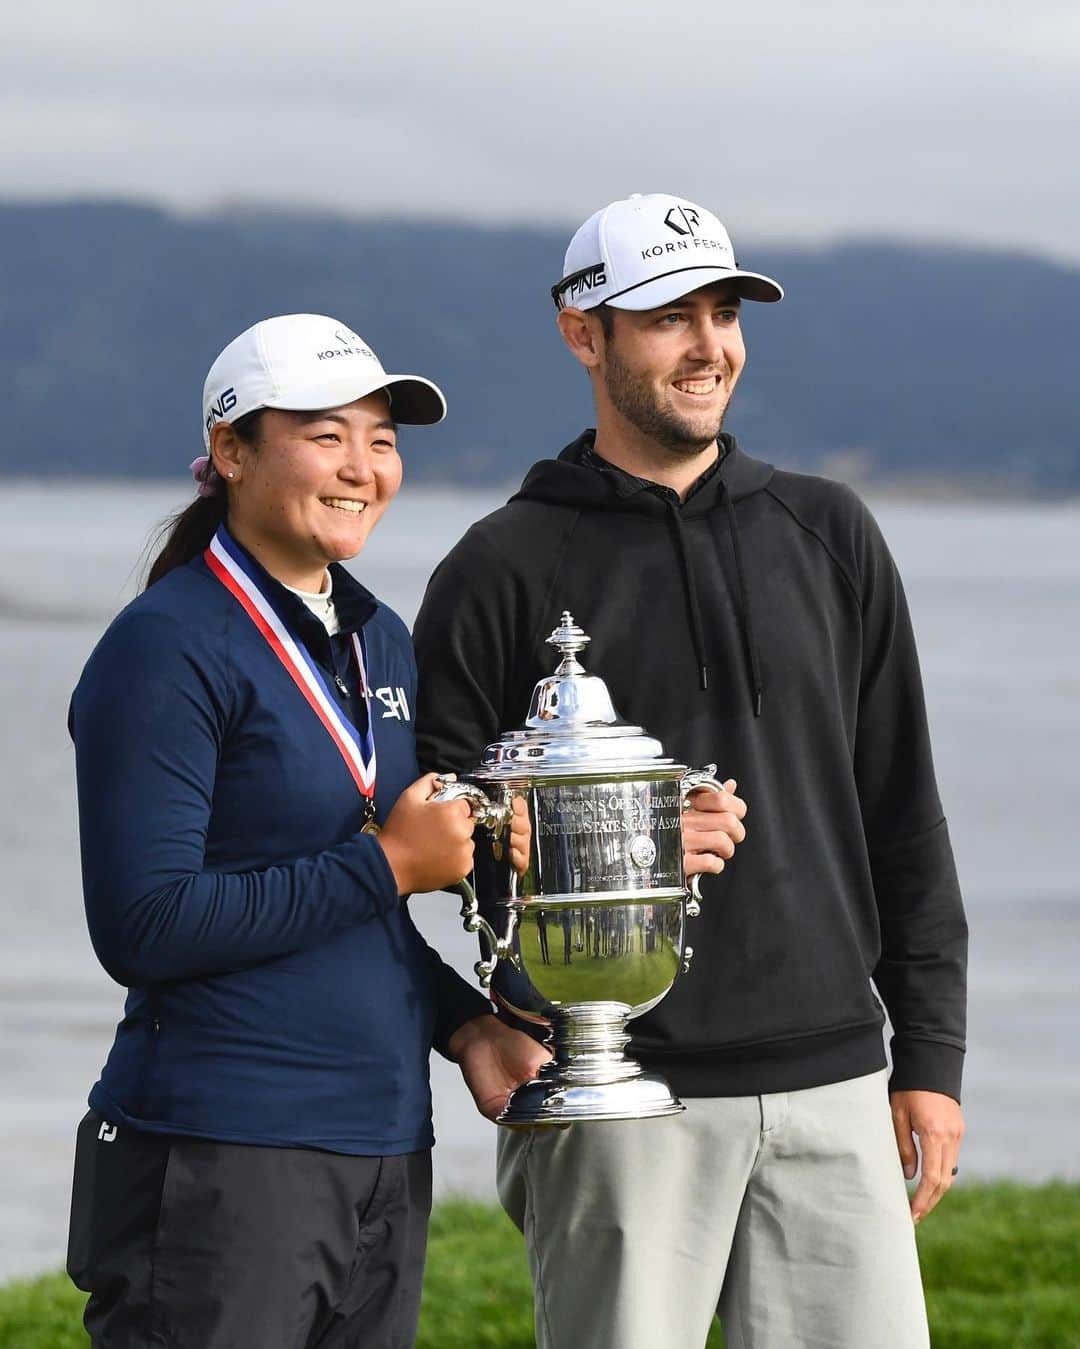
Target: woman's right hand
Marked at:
429, 844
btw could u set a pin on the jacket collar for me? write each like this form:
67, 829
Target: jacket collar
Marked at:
355, 604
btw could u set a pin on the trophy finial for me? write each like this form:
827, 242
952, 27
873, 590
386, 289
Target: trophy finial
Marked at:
569, 639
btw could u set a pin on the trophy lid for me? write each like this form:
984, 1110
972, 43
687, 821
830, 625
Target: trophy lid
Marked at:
572, 724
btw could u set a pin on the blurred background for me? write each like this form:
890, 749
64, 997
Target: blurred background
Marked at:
169, 177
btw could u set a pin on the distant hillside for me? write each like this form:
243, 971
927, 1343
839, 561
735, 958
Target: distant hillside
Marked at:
894, 361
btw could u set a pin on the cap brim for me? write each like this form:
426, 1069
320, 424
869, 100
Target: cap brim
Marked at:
414, 401
674, 285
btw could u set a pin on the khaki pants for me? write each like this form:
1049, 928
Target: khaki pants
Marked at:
786, 1212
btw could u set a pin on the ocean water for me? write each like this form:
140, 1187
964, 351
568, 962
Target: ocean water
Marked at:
995, 597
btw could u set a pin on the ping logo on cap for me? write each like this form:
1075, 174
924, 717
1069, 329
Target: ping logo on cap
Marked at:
225, 403
568, 290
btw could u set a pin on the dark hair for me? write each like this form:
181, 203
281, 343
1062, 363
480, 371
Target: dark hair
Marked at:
606, 315
187, 534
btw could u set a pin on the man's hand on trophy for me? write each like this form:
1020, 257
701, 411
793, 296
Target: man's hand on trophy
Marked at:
494, 1059
712, 827
520, 835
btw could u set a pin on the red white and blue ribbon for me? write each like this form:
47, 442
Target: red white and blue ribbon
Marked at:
236, 572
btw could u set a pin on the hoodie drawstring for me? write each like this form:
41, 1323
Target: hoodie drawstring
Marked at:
690, 587
750, 649
751, 658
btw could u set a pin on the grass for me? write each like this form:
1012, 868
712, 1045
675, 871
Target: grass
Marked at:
1001, 1265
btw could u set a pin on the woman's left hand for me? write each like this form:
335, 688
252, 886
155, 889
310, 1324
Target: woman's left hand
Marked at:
711, 827
494, 1059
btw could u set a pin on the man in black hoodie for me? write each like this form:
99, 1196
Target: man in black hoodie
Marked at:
755, 617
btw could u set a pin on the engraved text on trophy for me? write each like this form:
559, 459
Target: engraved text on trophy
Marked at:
591, 836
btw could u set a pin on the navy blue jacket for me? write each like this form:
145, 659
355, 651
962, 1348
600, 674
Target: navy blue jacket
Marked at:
279, 991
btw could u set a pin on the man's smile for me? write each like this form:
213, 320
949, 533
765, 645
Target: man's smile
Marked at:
698, 388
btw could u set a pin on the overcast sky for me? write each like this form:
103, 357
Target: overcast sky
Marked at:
954, 120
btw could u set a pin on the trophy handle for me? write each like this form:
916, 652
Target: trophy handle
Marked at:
499, 948
485, 812
691, 780
493, 818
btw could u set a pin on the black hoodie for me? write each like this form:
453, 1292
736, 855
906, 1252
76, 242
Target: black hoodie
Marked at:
761, 624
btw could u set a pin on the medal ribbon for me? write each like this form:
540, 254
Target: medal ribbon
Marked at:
237, 574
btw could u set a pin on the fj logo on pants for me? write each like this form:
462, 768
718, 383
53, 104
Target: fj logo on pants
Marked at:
107, 1132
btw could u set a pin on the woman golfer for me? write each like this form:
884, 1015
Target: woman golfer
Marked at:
254, 1171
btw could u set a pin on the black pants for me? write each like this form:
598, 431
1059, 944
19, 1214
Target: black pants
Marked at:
188, 1244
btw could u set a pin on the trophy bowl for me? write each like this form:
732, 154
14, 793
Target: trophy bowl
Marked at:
590, 931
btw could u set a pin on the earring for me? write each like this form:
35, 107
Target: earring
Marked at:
230, 474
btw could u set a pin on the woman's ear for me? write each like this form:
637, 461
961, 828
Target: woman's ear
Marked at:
583, 334
227, 452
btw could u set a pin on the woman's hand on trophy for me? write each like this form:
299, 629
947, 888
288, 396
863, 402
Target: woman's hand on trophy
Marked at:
712, 827
520, 835
429, 844
495, 1059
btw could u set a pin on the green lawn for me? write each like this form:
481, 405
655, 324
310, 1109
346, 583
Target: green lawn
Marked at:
1001, 1265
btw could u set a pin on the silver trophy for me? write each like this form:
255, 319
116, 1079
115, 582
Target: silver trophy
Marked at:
591, 932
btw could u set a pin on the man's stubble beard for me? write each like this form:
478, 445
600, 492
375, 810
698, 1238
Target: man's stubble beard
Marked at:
635, 401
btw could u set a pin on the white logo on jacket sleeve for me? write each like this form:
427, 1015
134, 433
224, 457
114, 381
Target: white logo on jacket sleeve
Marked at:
395, 703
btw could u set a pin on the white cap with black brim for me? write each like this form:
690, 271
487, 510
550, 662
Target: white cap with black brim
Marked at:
645, 251
304, 363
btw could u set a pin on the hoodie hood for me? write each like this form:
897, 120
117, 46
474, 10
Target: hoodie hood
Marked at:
572, 481
567, 481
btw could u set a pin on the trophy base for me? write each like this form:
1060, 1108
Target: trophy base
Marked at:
590, 1078
539, 1103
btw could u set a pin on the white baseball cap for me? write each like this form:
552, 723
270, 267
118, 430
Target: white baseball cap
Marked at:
649, 250
306, 362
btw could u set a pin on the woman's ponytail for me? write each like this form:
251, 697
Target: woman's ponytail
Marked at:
188, 533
